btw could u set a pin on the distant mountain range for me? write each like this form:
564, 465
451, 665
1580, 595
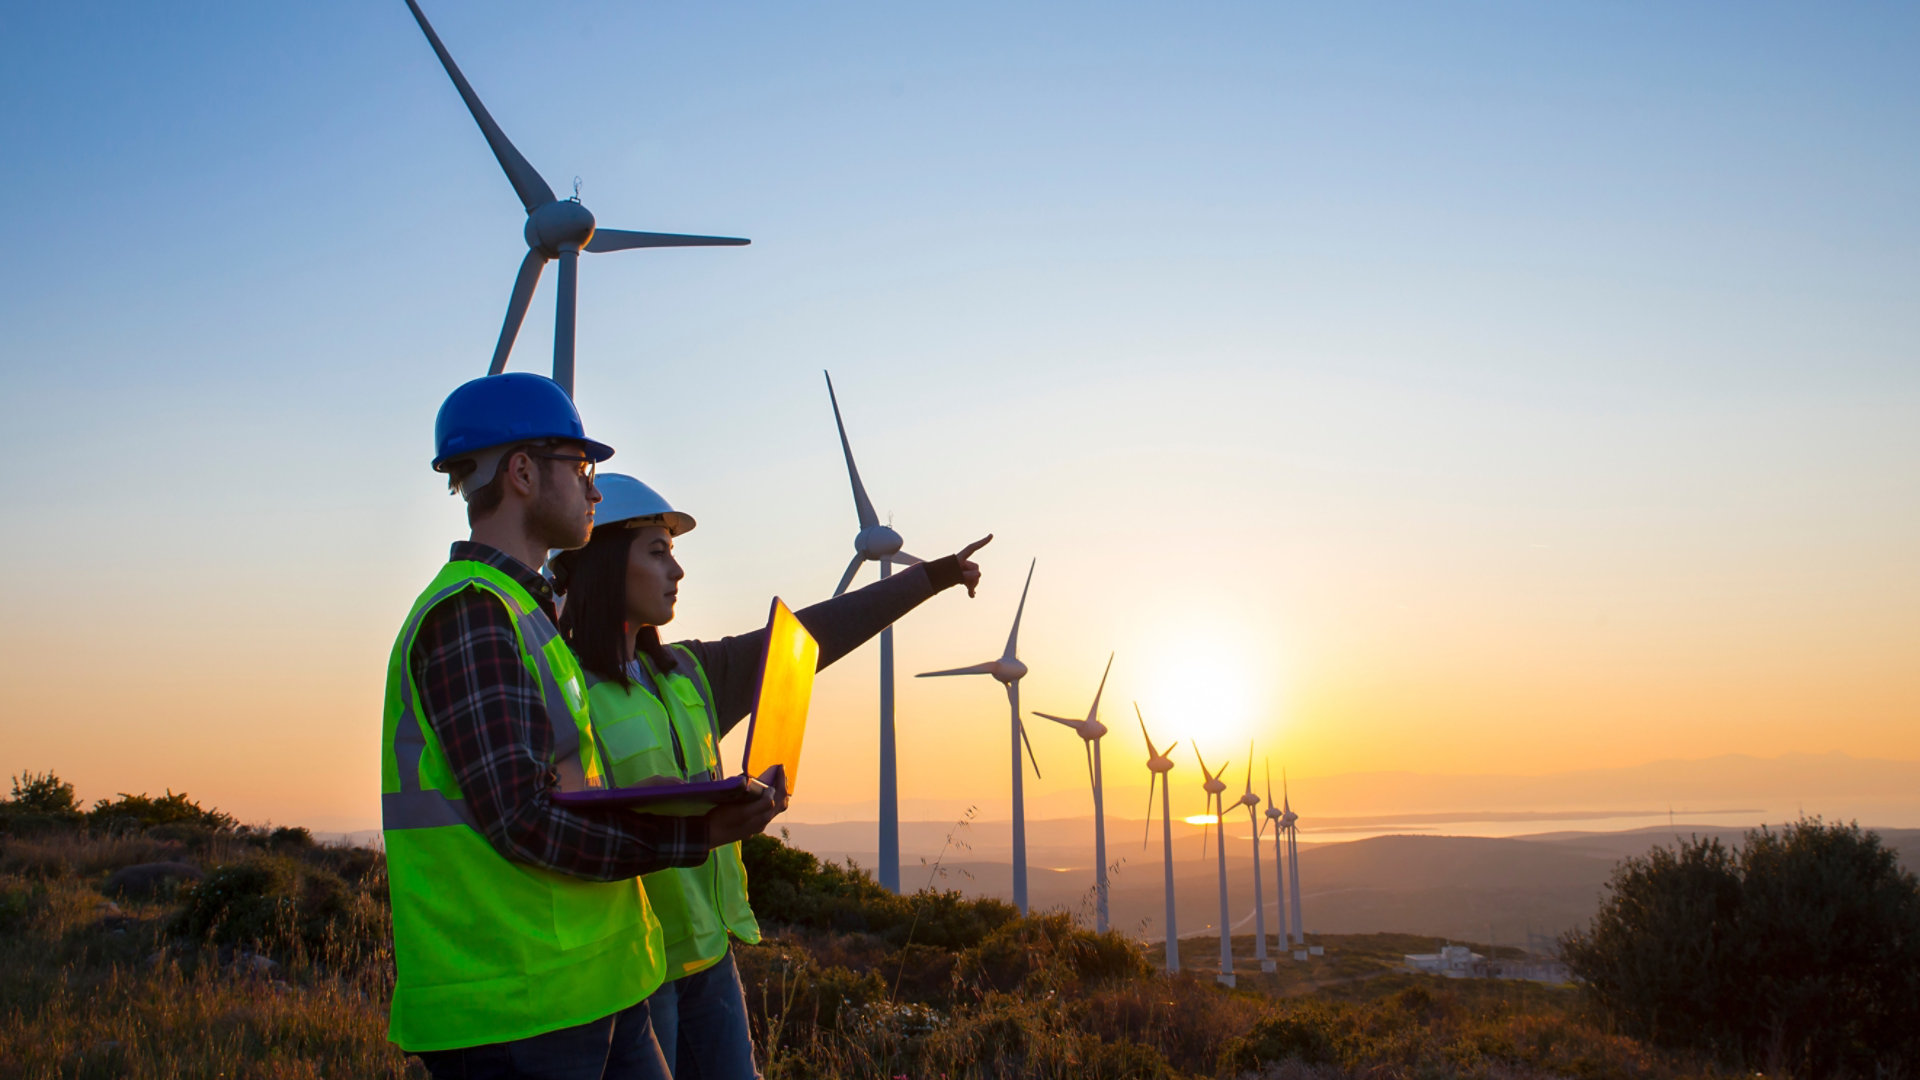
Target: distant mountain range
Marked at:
1733, 789
1464, 887
1459, 856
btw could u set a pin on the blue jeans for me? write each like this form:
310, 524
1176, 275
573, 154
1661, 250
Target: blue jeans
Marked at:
701, 1020
617, 1047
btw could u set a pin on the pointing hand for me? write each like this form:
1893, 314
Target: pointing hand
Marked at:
970, 570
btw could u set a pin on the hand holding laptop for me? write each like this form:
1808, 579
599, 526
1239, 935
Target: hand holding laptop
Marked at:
729, 822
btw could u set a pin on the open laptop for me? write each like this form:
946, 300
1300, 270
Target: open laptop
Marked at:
774, 732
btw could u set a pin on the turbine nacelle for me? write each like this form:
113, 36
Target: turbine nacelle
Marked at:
1160, 764
1008, 670
1273, 814
877, 542
1287, 819
1249, 799
561, 225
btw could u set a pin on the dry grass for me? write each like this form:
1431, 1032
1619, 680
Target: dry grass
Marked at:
92, 990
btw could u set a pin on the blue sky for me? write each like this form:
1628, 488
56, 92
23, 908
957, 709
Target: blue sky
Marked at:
1360, 350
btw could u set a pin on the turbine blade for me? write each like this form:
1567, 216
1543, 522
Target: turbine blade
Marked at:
977, 669
1269, 781
523, 285
1170, 747
861, 504
622, 239
1013, 639
1074, 724
1202, 761
1148, 831
1151, 752
1095, 711
1249, 766
526, 181
904, 559
1087, 745
847, 578
1034, 761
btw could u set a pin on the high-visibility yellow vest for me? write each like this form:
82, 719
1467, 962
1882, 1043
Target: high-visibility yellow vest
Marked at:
488, 950
664, 726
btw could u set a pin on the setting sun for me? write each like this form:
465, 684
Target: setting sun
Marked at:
1204, 693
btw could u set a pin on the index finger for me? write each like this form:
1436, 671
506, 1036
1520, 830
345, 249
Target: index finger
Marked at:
968, 551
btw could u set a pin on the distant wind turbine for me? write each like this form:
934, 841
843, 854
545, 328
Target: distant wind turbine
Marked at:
1159, 763
556, 229
1290, 824
877, 543
1009, 671
1274, 818
1216, 791
1090, 730
1252, 802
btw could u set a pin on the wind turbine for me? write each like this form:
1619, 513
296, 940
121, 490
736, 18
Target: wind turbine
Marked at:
1289, 823
1216, 791
1274, 817
1252, 802
1090, 731
1009, 671
1158, 765
556, 229
877, 543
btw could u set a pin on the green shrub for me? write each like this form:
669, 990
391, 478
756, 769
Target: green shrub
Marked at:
1799, 952
1314, 1032
269, 903
20, 904
141, 811
43, 793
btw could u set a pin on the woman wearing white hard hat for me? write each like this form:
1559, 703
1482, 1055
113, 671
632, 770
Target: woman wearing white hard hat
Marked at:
661, 712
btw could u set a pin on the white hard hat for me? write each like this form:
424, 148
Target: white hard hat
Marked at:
624, 500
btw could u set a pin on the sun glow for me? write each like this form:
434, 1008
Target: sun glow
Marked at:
1207, 694
1201, 819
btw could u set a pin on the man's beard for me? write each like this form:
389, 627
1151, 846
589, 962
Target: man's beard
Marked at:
555, 523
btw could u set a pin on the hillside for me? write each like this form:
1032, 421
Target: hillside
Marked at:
258, 953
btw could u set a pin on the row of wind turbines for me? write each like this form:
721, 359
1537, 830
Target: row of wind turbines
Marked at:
876, 542
561, 230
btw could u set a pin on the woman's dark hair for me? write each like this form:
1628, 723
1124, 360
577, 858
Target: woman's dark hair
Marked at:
594, 621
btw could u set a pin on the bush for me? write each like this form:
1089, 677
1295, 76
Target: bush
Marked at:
267, 903
43, 793
141, 811
1311, 1031
1799, 952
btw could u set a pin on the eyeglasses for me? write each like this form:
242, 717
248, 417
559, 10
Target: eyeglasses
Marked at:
586, 467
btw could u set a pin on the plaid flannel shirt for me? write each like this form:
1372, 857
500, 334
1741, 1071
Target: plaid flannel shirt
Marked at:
487, 711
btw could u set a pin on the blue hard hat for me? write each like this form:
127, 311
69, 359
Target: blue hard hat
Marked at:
495, 410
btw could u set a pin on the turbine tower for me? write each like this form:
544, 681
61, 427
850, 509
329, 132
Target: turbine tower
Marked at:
556, 229
1216, 791
1274, 817
1290, 824
1252, 802
1090, 731
1009, 671
1159, 763
877, 543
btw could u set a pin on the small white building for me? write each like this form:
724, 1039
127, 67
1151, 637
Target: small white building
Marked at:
1453, 961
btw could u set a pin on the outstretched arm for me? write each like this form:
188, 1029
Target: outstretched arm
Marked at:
840, 625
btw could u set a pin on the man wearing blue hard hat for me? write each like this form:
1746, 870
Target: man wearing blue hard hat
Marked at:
523, 941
